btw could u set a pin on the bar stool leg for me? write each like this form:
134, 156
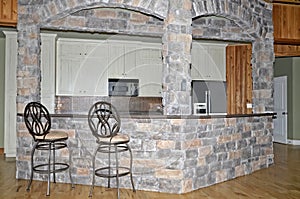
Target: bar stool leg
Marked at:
31, 174
70, 172
131, 178
93, 177
53, 150
117, 170
109, 165
49, 170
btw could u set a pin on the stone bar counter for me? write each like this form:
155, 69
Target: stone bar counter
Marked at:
174, 154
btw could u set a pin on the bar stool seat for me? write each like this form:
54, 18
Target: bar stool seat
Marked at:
117, 139
53, 135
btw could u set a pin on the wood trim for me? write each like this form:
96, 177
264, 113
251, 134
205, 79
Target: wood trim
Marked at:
8, 23
296, 2
286, 50
287, 41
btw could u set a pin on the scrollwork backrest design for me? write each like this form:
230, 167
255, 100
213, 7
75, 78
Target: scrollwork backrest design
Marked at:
104, 120
37, 119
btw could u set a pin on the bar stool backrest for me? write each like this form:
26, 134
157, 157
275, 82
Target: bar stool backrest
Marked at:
104, 120
37, 119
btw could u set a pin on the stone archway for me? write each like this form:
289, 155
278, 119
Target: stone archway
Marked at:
53, 10
254, 20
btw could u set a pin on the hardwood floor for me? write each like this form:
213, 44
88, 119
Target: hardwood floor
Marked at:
281, 180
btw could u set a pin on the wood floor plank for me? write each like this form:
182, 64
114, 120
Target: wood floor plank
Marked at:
281, 180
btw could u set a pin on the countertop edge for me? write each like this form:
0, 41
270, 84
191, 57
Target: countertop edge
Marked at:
157, 116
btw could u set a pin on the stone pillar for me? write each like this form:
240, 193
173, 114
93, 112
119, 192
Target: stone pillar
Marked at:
177, 42
28, 69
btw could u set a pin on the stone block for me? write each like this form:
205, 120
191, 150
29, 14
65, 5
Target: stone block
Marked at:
221, 176
165, 144
169, 174
205, 150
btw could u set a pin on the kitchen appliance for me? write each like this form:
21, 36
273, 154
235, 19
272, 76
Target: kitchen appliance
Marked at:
209, 97
123, 87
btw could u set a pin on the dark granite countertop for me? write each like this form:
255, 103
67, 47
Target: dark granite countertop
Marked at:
159, 115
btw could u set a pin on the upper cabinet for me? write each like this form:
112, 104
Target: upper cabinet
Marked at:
286, 23
84, 66
286, 28
208, 61
122, 59
8, 13
149, 69
81, 67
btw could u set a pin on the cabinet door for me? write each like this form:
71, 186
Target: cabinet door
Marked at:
122, 59
208, 61
217, 62
116, 60
200, 62
91, 77
149, 69
67, 70
130, 56
82, 68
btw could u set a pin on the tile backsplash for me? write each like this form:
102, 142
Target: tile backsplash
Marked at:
82, 104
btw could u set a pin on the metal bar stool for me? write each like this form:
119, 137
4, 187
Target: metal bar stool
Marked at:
38, 123
104, 122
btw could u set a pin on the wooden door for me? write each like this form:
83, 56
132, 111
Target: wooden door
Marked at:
239, 79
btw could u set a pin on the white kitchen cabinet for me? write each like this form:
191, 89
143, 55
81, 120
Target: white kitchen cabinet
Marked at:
122, 59
208, 61
84, 66
81, 67
149, 69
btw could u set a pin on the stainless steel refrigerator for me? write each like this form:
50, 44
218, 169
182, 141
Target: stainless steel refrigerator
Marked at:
209, 97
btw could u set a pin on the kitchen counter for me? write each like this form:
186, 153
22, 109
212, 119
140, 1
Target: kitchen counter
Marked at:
174, 153
158, 115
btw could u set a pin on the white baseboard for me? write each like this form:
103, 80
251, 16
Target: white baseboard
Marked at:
293, 142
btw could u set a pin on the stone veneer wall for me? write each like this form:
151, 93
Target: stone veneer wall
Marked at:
243, 143
176, 22
170, 155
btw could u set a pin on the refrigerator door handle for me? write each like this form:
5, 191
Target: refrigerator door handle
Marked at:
207, 101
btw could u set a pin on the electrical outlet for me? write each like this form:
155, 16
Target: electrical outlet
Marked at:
249, 105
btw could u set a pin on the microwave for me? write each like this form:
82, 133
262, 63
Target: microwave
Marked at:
123, 87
